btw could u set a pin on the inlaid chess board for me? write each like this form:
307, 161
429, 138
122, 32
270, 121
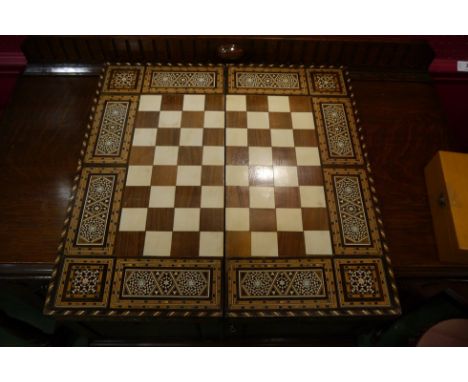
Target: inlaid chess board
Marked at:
196, 199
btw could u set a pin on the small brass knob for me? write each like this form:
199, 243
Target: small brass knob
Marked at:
230, 52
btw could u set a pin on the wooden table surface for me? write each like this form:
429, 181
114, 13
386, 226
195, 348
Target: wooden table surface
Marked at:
42, 132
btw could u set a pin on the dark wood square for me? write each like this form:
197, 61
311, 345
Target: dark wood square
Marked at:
315, 219
167, 137
147, 119
309, 175
237, 196
164, 176
136, 197
172, 102
141, 156
258, 137
160, 219
212, 176
291, 244
187, 196
213, 137
214, 102
237, 155
192, 119
236, 119
287, 197
284, 156
129, 244
305, 138
212, 219
190, 155
185, 244
257, 103
300, 104
262, 219
280, 120
238, 244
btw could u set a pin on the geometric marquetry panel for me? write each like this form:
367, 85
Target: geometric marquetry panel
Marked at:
245, 80
112, 130
351, 212
328, 82
94, 217
123, 79
361, 283
337, 132
167, 284
305, 284
169, 79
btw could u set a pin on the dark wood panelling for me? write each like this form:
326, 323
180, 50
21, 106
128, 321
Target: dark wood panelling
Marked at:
407, 53
41, 135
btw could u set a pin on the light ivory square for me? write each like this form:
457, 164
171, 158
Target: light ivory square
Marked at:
157, 243
289, 219
236, 103
279, 104
150, 103
191, 137
144, 137
133, 219
302, 121
258, 120
139, 175
312, 196
261, 156
236, 137
166, 155
214, 119
282, 138
194, 102
170, 118
162, 196
237, 219
211, 244
264, 244
262, 197
188, 175
212, 197
237, 175
213, 155
186, 219
307, 156
318, 243
285, 176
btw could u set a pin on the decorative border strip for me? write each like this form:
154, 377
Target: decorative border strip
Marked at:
340, 245
167, 284
326, 82
323, 134
124, 135
254, 269
234, 71
186, 72
108, 211
123, 79
361, 283
84, 283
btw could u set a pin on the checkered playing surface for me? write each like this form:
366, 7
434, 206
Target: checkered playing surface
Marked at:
180, 176
275, 200
173, 203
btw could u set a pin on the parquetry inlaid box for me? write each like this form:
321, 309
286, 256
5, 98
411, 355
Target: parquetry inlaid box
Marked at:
447, 187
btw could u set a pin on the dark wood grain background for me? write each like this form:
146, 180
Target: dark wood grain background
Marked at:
43, 127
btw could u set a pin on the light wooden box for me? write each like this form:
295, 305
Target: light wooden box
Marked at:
447, 188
